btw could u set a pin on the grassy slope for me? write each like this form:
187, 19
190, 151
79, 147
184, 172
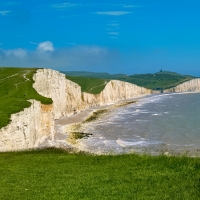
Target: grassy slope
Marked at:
54, 174
89, 84
15, 89
163, 79
157, 80
103, 75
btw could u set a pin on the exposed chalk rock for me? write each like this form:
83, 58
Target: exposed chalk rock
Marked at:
28, 128
35, 124
189, 86
67, 96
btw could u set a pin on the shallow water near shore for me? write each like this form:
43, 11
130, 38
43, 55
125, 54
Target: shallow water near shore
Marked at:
160, 123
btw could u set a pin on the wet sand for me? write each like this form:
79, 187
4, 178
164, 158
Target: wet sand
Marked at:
64, 124
65, 127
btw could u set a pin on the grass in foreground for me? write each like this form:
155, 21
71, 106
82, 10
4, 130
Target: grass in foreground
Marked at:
89, 84
15, 89
55, 174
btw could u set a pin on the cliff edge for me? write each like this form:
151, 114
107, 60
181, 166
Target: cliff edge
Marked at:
188, 86
35, 124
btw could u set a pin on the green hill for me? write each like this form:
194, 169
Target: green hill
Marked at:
157, 80
164, 79
89, 84
103, 75
16, 86
15, 91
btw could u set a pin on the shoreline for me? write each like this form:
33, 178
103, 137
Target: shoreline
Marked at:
70, 133
67, 125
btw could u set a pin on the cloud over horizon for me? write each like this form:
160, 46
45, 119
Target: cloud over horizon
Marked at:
5, 12
131, 6
45, 46
71, 58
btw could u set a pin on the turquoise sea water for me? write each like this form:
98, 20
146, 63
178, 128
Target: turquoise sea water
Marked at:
157, 123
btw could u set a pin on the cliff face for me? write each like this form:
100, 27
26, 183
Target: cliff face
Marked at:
189, 86
52, 84
30, 127
67, 96
114, 91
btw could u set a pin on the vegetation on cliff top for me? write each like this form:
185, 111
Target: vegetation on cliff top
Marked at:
55, 174
162, 79
89, 84
15, 91
16, 86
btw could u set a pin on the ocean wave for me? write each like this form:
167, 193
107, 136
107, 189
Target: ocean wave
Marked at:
156, 114
124, 143
141, 120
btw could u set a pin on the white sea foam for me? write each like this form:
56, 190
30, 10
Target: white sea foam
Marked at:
150, 123
141, 120
110, 143
124, 143
156, 114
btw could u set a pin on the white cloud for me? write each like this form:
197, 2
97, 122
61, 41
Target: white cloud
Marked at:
5, 12
113, 33
131, 6
70, 58
45, 46
18, 53
61, 6
114, 13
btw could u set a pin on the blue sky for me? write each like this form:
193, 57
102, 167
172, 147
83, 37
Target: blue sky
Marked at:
118, 36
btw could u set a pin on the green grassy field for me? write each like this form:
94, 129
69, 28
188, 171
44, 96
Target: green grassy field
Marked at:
15, 89
55, 174
89, 84
158, 80
164, 79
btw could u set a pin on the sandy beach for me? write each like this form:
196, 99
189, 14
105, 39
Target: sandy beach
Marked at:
67, 124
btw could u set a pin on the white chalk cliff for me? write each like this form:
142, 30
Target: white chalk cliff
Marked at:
188, 86
35, 124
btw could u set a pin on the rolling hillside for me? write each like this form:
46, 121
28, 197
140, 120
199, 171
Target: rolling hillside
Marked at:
89, 84
164, 79
15, 91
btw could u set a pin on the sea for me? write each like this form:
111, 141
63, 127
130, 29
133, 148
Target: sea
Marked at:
163, 123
